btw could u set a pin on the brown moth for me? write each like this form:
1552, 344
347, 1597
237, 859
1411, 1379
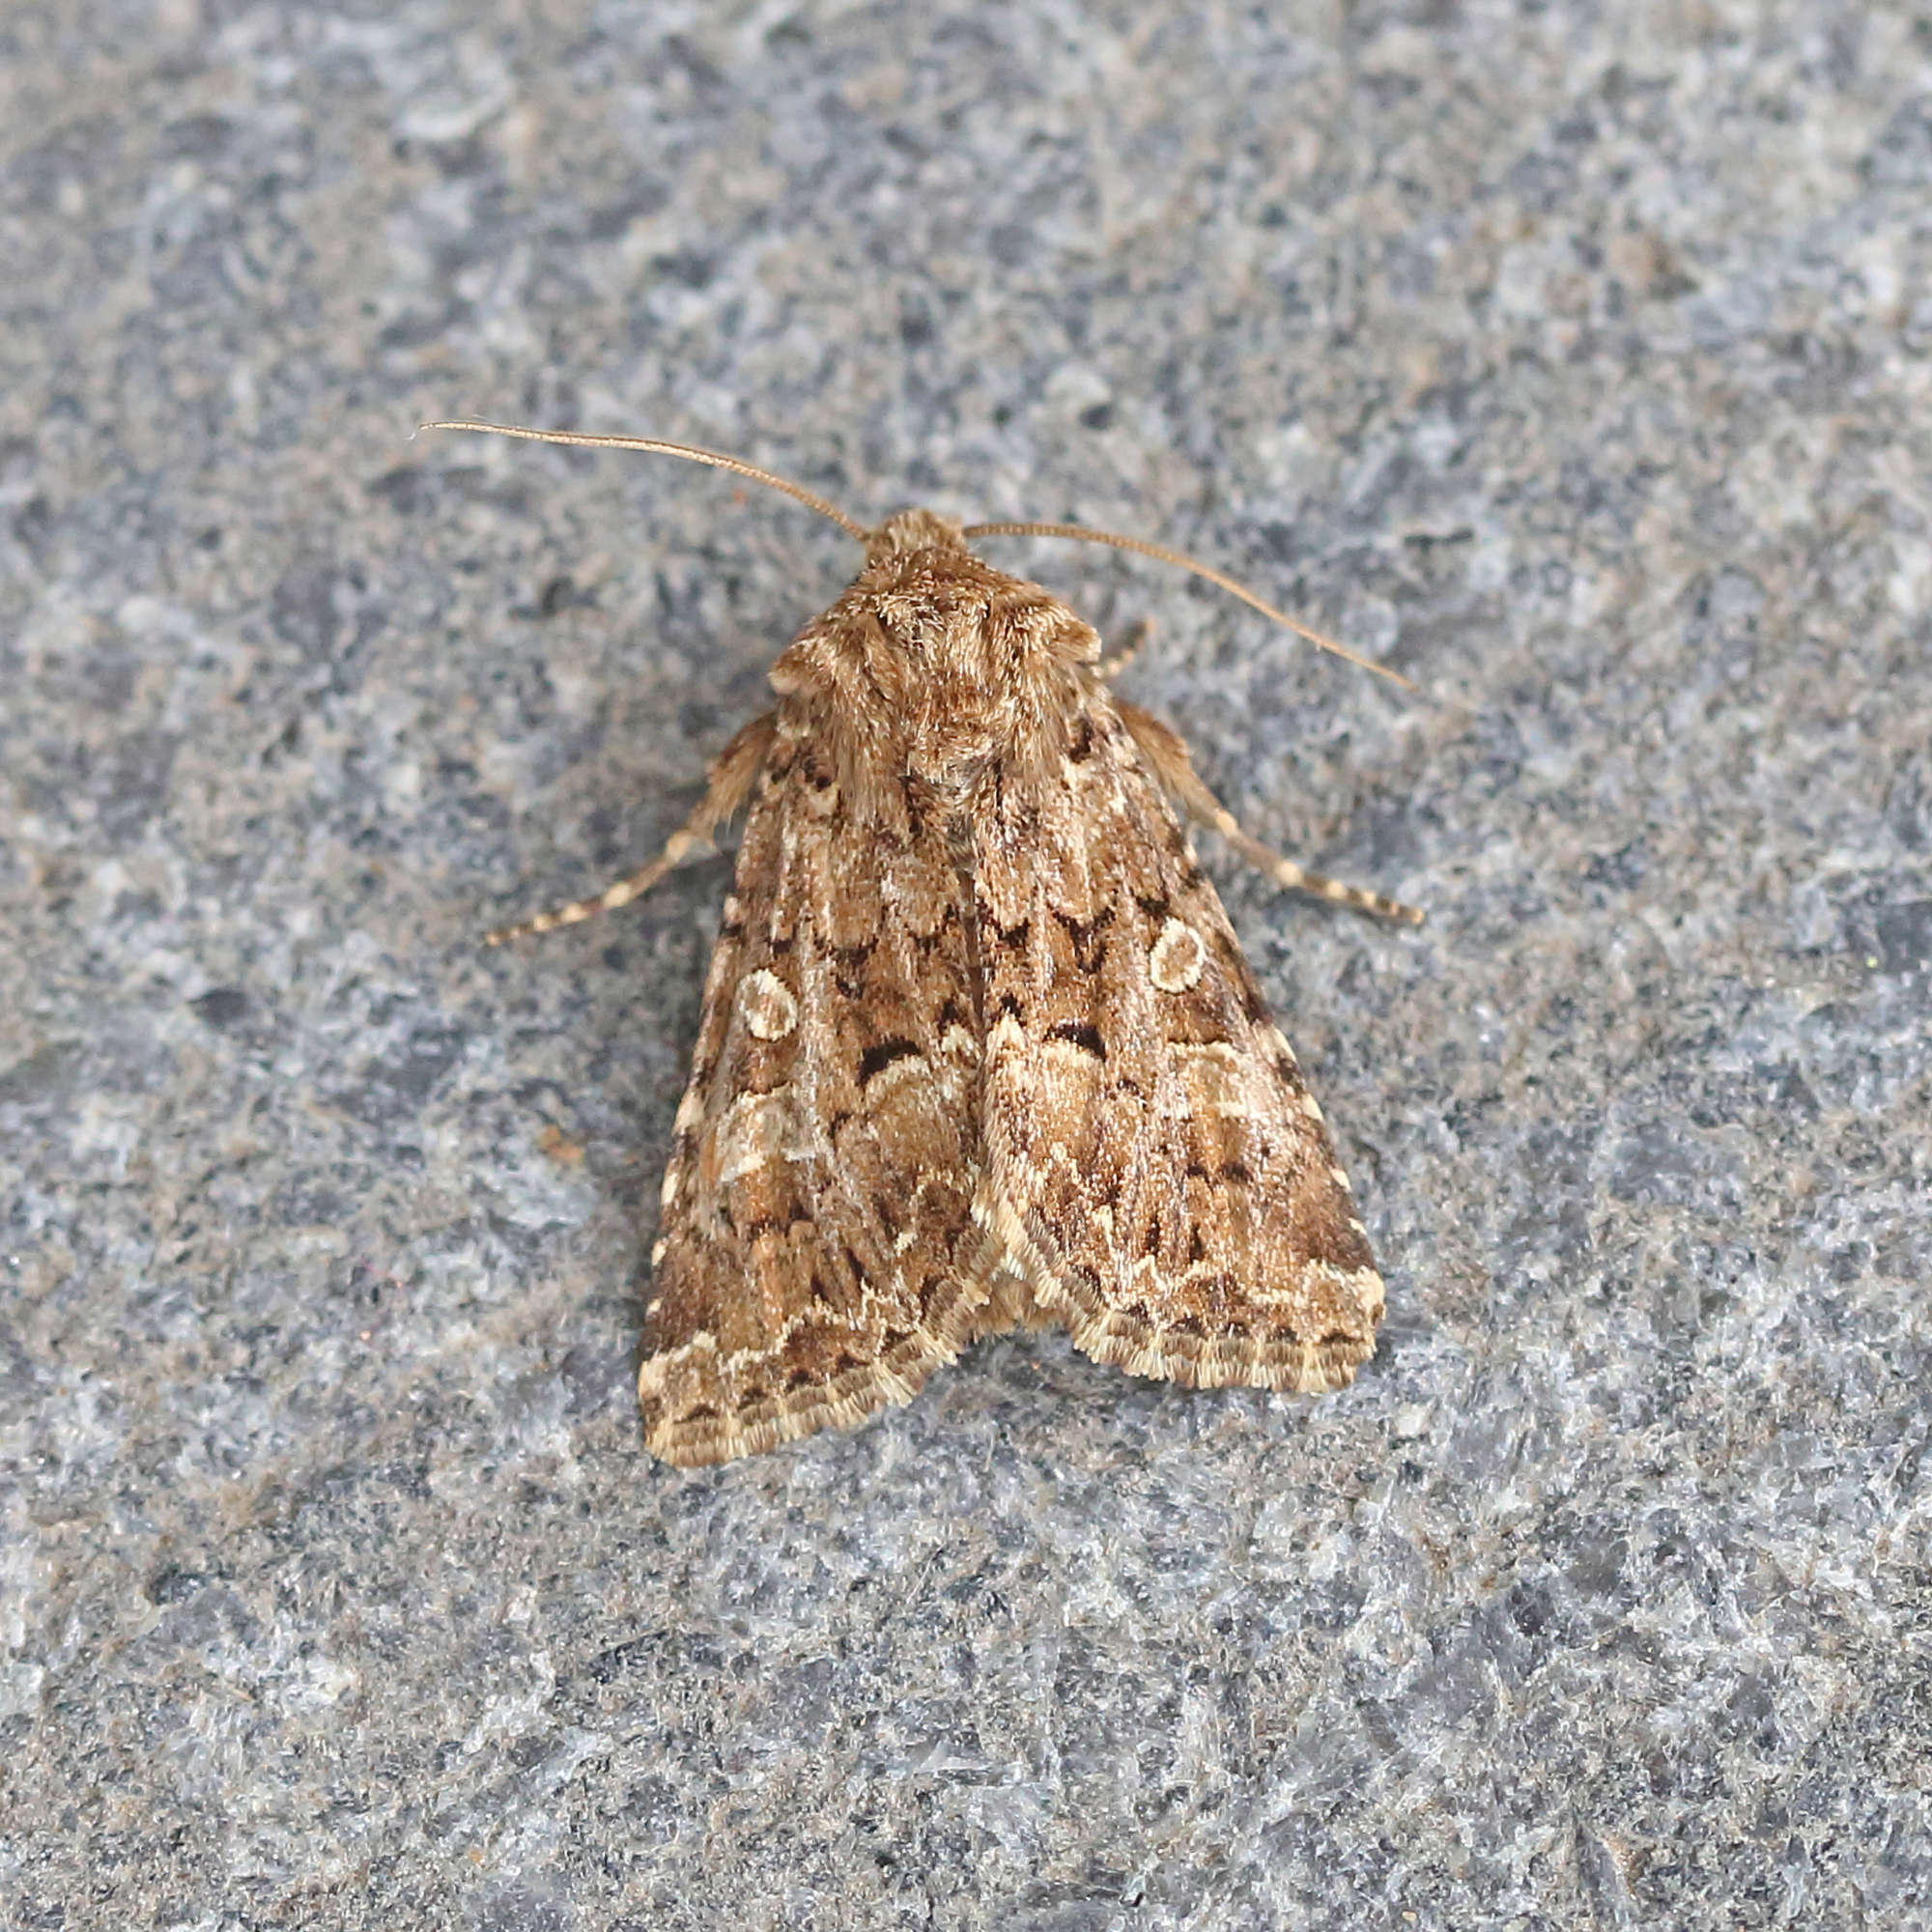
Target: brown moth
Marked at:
979, 1049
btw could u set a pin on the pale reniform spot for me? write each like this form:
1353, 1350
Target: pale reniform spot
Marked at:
1176, 958
757, 1130
770, 1011
909, 1069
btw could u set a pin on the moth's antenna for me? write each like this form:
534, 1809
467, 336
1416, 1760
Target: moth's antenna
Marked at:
1200, 568
689, 451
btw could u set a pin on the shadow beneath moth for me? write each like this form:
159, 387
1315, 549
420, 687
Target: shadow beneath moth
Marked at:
979, 1049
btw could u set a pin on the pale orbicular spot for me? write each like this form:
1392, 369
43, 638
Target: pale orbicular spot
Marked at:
1176, 958
770, 1011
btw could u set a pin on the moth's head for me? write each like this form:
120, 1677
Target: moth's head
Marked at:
941, 631
938, 663
906, 532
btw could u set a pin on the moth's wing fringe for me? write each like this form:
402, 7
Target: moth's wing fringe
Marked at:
1287, 1364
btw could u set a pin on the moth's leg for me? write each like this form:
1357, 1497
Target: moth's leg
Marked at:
1129, 650
728, 783
1167, 754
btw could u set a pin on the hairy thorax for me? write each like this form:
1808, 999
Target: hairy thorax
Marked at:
966, 673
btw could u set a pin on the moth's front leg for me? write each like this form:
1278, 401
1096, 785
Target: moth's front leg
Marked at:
729, 782
1166, 751
1135, 644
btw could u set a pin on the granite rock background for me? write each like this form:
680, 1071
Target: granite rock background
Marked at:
1574, 358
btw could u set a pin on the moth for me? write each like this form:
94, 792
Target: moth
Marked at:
979, 1049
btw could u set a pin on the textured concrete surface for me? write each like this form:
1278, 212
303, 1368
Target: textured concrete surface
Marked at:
1576, 358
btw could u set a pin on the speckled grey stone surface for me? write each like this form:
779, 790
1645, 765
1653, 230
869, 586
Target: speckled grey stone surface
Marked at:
1574, 358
